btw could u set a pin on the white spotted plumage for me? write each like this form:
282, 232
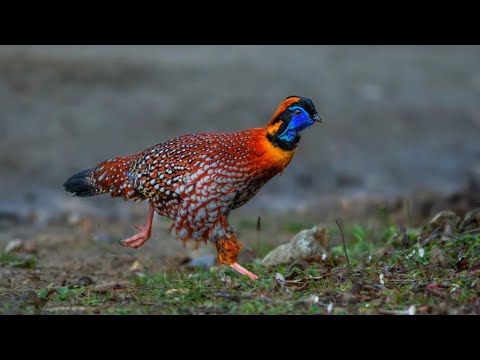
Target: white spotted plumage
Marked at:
192, 179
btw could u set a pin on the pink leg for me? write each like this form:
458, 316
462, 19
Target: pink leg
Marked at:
243, 271
145, 231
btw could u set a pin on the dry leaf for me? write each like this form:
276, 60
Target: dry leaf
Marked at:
437, 257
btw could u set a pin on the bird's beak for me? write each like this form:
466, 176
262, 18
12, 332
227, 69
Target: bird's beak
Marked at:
317, 118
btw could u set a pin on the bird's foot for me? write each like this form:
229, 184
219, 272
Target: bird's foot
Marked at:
239, 268
139, 239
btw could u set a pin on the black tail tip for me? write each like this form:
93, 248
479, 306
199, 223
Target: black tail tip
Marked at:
80, 184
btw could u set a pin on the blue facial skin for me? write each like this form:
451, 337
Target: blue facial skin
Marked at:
298, 123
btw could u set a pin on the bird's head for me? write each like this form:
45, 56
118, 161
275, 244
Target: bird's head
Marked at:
294, 114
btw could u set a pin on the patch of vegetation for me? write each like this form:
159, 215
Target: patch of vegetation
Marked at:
434, 269
28, 262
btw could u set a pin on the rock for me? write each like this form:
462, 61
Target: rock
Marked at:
74, 219
307, 243
84, 281
13, 245
136, 266
206, 261
443, 217
312, 299
438, 257
470, 221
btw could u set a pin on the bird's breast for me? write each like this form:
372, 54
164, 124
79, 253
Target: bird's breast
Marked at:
227, 172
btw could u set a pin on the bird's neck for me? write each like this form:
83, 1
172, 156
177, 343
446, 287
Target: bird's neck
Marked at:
275, 153
286, 142
282, 138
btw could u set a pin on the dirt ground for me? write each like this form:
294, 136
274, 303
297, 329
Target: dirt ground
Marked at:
76, 251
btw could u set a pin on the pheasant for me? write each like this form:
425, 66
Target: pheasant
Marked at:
196, 180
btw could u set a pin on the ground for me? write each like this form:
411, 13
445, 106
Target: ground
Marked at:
395, 265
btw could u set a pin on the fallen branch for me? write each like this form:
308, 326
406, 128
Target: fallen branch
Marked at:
472, 231
259, 224
343, 240
431, 237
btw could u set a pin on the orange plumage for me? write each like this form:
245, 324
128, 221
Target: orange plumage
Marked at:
196, 180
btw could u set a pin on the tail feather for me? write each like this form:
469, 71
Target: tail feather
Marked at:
82, 184
109, 176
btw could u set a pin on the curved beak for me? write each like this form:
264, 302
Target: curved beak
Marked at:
317, 118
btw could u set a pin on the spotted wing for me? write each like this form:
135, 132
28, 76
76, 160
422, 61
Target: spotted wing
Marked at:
160, 171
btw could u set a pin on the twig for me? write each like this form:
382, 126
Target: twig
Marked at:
471, 231
343, 240
258, 234
407, 211
453, 237
431, 237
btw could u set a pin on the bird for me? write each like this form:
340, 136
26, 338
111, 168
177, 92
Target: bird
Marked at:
196, 180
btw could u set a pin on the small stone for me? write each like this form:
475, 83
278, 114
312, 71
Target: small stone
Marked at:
74, 219
438, 257
206, 261
84, 281
312, 299
136, 266
330, 308
471, 220
13, 245
443, 217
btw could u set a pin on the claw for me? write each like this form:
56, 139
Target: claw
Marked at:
139, 239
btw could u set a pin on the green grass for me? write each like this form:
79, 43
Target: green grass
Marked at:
28, 262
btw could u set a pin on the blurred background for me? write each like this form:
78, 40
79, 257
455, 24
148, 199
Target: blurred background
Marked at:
398, 120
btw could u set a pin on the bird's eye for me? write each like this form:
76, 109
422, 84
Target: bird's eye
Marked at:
298, 112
